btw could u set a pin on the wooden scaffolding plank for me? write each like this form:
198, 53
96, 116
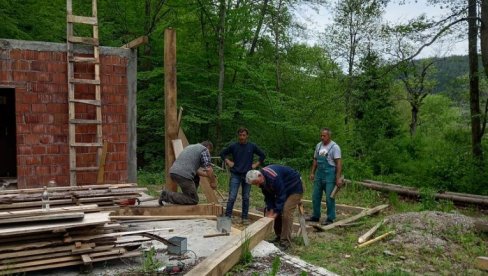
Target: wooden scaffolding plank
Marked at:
222, 260
43, 218
351, 219
89, 219
69, 188
340, 207
136, 42
22, 256
68, 263
171, 210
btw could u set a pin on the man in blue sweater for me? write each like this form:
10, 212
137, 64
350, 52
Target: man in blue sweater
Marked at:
283, 190
242, 161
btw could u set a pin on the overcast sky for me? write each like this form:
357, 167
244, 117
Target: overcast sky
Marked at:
316, 21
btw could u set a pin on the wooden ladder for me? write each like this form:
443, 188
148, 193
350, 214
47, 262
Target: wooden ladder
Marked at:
73, 82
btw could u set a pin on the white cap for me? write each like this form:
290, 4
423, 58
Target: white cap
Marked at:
252, 175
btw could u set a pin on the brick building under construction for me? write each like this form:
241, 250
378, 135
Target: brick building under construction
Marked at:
52, 122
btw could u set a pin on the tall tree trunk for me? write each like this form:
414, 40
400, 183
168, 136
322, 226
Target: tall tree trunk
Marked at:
146, 62
276, 31
414, 119
484, 53
258, 28
350, 68
221, 45
474, 91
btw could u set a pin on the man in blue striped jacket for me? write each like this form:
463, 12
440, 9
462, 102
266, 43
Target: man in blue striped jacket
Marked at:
283, 189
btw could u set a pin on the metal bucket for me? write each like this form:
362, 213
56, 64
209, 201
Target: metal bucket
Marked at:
224, 224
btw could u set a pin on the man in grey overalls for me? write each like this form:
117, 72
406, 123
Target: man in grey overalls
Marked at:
326, 174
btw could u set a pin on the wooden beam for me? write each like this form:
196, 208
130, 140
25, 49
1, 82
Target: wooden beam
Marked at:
340, 207
45, 218
170, 96
254, 217
376, 239
366, 236
57, 210
161, 218
177, 147
208, 191
481, 263
412, 192
89, 219
222, 260
101, 163
171, 210
136, 42
351, 219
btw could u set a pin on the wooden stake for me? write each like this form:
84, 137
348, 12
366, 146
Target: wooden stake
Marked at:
376, 239
481, 263
303, 225
170, 96
366, 236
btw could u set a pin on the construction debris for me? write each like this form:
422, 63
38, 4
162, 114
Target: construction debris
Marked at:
376, 239
364, 213
76, 230
366, 236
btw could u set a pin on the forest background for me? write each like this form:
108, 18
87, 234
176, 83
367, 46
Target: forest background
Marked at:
397, 118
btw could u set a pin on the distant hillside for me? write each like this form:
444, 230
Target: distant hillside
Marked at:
449, 71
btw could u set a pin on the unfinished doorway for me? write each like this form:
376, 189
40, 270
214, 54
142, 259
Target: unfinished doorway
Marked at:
8, 145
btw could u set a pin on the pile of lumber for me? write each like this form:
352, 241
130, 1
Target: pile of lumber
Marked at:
37, 240
106, 196
458, 198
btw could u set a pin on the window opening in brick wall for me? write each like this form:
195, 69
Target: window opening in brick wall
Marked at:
8, 143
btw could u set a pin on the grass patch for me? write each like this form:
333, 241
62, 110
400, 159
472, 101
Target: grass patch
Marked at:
335, 249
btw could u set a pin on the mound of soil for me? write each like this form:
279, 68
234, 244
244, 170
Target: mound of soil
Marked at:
428, 229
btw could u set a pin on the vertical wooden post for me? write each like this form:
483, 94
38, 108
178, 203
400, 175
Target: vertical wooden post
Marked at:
170, 118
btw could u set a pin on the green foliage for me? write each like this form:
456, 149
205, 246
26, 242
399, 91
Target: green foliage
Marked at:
246, 256
283, 120
275, 267
149, 261
427, 199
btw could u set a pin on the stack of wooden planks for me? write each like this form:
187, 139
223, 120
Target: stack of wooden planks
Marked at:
76, 230
59, 238
106, 196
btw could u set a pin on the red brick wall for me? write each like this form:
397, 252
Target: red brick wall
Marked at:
40, 82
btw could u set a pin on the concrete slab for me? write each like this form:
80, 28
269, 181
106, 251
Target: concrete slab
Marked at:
192, 230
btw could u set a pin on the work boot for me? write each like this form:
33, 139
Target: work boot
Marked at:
276, 240
283, 245
311, 218
327, 222
162, 198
